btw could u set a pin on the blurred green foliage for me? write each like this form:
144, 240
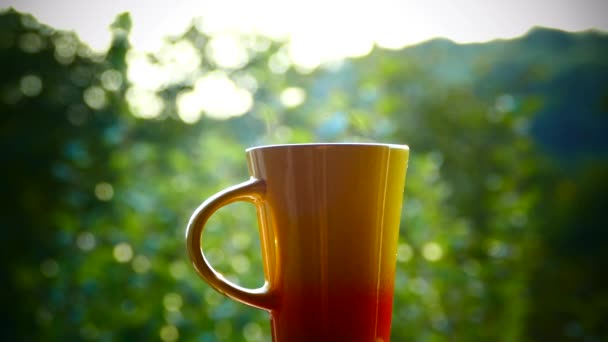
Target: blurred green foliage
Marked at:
503, 234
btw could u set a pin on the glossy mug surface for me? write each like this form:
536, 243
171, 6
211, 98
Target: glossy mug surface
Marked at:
328, 217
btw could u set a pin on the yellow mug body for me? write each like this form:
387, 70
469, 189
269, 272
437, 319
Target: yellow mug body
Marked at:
328, 218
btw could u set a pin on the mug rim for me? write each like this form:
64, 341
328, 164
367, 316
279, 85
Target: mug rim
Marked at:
351, 144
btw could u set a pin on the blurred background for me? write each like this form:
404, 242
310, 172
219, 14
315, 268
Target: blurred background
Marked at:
118, 120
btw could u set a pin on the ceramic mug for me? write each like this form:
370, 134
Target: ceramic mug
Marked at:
328, 218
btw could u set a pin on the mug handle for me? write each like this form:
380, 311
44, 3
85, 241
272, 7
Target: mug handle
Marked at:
250, 191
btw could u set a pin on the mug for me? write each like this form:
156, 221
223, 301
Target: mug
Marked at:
328, 217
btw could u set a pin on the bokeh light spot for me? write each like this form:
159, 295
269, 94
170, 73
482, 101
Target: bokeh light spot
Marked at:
123, 252
240, 240
66, 46
216, 95
178, 62
141, 264
143, 73
49, 268
227, 51
220, 98
240, 263
252, 332
111, 80
279, 62
169, 333
432, 251
31, 43
144, 103
188, 107
292, 97
178, 269
404, 252
104, 191
172, 302
85, 241
95, 97
30, 85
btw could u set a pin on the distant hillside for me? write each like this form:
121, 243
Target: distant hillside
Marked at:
570, 71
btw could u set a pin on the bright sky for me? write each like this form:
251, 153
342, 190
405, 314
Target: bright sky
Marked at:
318, 30
321, 29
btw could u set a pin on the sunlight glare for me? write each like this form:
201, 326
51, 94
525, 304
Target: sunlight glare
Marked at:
333, 35
217, 96
319, 30
227, 51
292, 97
178, 61
142, 72
144, 103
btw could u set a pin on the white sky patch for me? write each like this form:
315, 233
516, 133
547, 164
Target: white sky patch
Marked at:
320, 30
